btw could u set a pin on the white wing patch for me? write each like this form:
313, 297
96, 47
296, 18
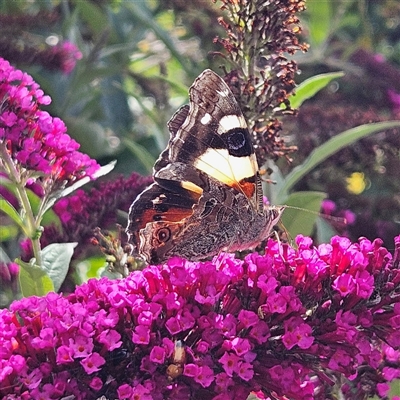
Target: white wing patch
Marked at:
228, 122
192, 187
220, 165
206, 119
223, 93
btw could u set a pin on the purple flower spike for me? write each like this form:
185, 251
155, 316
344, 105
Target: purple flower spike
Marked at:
33, 139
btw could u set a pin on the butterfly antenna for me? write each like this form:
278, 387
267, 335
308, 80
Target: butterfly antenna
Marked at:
319, 214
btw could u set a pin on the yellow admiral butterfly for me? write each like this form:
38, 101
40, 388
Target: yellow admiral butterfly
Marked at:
207, 194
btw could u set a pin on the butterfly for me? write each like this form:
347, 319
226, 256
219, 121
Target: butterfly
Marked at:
207, 193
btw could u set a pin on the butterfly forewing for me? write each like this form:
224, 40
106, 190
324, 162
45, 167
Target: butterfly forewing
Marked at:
214, 137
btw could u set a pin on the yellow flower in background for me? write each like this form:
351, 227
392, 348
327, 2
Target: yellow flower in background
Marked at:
356, 183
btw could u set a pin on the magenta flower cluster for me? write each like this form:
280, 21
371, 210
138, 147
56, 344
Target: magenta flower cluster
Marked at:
34, 140
293, 322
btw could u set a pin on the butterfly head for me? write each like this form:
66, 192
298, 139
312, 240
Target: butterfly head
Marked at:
273, 214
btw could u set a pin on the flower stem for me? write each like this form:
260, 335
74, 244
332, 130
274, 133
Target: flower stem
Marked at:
32, 229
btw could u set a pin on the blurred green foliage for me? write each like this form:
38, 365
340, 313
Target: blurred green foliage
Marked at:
137, 63
140, 57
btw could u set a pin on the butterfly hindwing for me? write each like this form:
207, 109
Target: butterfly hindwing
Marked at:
159, 204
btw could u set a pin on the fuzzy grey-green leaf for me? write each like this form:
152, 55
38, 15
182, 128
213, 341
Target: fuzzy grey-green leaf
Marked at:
33, 280
56, 259
8, 208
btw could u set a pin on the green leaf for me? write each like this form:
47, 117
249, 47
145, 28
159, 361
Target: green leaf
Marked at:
8, 232
311, 86
142, 14
140, 153
103, 170
91, 136
56, 258
324, 230
92, 15
158, 132
319, 20
327, 149
8, 209
177, 85
298, 221
272, 189
394, 389
4, 257
33, 280
91, 267
49, 216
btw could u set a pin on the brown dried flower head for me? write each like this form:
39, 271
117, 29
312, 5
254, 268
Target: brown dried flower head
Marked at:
261, 36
